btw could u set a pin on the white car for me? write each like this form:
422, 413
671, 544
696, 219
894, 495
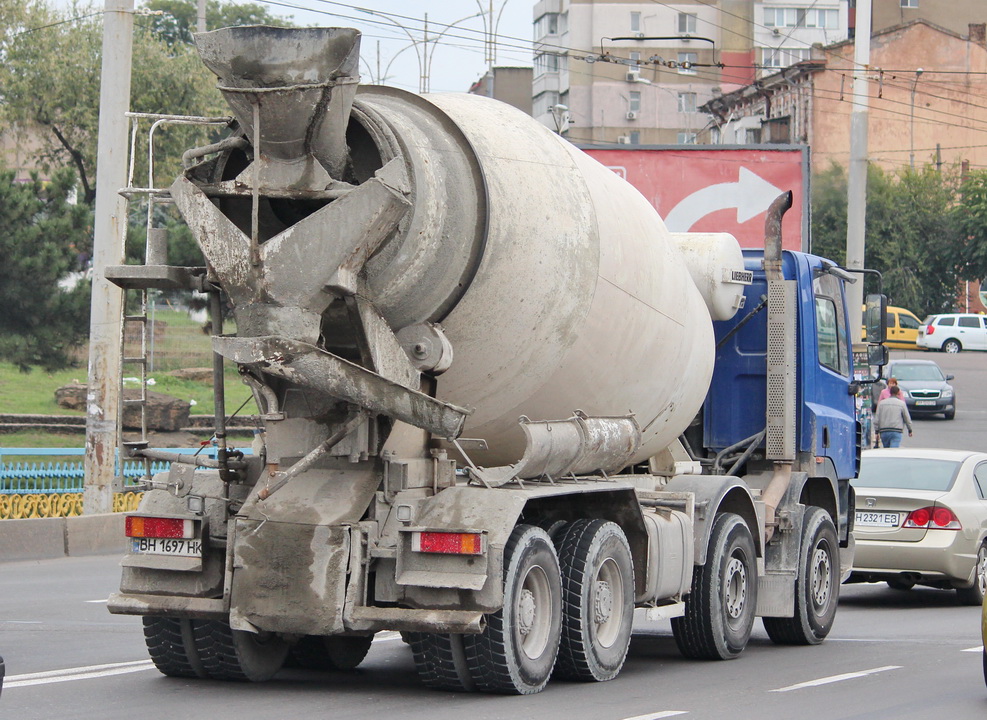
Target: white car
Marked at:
953, 332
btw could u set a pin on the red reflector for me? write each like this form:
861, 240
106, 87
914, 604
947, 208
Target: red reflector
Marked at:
156, 527
448, 543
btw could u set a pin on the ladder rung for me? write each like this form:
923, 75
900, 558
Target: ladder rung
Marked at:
135, 318
137, 360
135, 401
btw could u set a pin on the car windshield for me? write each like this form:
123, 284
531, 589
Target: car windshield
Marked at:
906, 473
917, 372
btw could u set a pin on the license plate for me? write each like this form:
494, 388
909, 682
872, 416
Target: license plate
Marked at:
877, 519
166, 546
925, 402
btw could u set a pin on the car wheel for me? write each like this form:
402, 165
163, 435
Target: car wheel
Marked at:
974, 595
951, 413
952, 346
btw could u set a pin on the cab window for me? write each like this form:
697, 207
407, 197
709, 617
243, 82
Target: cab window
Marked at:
947, 321
908, 322
831, 334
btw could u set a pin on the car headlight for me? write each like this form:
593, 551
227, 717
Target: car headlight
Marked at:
947, 392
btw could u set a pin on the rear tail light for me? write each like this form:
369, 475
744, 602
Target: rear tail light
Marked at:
159, 527
933, 518
930, 329
448, 543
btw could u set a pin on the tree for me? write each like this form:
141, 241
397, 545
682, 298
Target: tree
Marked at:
970, 218
43, 237
177, 21
911, 233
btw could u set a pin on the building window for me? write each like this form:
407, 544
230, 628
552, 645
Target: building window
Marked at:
635, 59
635, 137
687, 23
546, 63
543, 103
687, 102
780, 17
687, 138
687, 62
634, 101
784, 57
635, 22
909, 3
547, 24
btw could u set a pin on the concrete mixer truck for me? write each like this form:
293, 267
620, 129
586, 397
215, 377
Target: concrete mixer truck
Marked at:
502, 405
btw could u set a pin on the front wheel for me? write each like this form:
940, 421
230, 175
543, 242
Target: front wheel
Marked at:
719, 612
974, 595
516, 652
817, 588
951, 346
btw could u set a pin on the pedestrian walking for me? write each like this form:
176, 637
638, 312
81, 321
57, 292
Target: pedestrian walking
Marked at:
886, 392
892, 418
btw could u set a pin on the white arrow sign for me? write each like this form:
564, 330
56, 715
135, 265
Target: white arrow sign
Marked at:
751, 195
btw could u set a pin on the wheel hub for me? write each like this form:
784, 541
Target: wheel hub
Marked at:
982, 571
526, 611
736, 586
603, 605
820, 577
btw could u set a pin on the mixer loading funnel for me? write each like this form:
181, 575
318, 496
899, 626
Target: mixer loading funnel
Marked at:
301, 81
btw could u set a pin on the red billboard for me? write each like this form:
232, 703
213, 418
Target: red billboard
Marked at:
718, 189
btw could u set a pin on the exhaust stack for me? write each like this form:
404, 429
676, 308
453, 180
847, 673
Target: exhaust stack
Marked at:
292, 88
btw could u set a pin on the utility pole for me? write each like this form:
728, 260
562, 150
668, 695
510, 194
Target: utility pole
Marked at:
200, 20
105, 341
857, 183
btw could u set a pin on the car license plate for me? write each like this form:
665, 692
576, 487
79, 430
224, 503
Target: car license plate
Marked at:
925, 402
166, 546
877, 519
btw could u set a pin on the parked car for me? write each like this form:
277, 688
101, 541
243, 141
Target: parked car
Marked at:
983, 634
901, 331
953, 332
925, 389
921, 519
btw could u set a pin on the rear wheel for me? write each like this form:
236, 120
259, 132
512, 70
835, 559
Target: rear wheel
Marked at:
951, 346
516, 652
719, 612
817, 588
171, 645
597, 600
229, 654
340, 652
974, 595
440, 661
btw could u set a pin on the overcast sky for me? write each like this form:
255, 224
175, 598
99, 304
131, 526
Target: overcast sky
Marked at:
455, 62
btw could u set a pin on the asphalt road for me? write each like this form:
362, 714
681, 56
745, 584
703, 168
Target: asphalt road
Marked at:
891, 655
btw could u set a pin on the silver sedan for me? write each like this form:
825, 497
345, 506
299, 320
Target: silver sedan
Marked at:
921, 519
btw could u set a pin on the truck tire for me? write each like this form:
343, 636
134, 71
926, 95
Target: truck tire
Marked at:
974, 595
229, 654
441, 661
719, 612
597, 600
817, 587
516, 652
340, 652
171, 645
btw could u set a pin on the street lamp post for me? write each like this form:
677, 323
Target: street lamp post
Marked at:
911, 121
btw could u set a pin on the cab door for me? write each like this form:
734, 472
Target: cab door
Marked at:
902, 329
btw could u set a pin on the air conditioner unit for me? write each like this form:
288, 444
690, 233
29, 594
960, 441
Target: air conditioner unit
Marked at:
623, 139
633, 75
631, 115
775, 31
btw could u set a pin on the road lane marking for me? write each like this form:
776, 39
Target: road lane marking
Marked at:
656, 716
90, 672
976, 649
837, 678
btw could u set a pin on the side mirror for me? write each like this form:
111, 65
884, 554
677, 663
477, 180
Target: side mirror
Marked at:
876, 319
877, 355
949, 377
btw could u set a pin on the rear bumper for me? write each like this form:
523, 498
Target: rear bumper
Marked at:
941, 555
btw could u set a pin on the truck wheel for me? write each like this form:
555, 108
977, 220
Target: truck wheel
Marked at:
951, 346
719, 612
441, 661
172, 647
229, 654
817, 588
597, 600
340, 652
974, 595
516, 652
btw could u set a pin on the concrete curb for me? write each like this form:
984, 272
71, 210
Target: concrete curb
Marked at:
43, 538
